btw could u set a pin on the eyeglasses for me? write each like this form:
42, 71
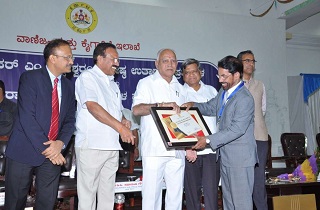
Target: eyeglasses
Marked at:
187, 73
116, 60
68, 58
167, 61
249, 61
224, 77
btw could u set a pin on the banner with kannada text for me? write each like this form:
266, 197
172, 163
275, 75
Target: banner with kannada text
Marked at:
14, 63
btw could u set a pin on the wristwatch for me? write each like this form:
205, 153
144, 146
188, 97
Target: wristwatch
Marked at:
208, 141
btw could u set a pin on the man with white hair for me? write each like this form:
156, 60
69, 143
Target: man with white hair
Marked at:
161, 89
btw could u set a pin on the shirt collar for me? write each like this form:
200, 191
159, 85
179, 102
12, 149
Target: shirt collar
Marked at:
157, 76
111, 78
52, 77
248, 81
187, 86
233, 88
100, 73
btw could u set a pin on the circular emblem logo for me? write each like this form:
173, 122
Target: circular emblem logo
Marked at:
81, 17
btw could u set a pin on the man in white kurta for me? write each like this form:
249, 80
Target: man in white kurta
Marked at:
160, 89
99, 122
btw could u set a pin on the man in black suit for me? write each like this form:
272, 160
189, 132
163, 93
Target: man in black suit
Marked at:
8, 111
31, 148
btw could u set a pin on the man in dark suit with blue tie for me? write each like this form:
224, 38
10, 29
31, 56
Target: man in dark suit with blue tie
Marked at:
43, 127
234, 141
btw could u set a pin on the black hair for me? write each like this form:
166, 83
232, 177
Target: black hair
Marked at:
243, 53
232, 64
2, 87
51, 46
190, 61
99, 50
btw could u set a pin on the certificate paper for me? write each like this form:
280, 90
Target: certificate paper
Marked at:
177, 130
184, 123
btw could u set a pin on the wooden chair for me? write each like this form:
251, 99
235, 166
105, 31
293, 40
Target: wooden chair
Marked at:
126, 158
3, 146
294, 148
126, 166
273, 172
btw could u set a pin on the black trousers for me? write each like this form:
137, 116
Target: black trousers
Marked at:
203, 173
259, 188
19, 178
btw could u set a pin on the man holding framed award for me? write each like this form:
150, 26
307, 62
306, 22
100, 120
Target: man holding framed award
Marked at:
161, 89
234, 141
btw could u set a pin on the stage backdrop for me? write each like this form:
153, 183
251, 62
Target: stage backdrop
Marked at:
13, 64
139, 32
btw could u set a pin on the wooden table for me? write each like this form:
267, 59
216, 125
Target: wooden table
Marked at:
291, 188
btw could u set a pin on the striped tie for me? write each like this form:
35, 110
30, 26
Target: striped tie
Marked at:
54, 127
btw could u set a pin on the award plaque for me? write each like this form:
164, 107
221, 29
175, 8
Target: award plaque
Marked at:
179, 130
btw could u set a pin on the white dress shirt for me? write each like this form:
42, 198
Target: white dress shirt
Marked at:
204, 94
154, 89
52, 78
94, 85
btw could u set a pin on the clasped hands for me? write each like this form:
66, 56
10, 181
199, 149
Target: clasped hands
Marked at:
174, 106
125, 132
201, 143
53, 152
191, 154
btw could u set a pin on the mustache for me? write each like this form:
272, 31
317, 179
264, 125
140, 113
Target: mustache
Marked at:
115, 67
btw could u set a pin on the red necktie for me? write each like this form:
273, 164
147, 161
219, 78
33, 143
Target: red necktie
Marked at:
54, 127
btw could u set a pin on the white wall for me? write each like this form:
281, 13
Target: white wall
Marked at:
302, 60
303, 51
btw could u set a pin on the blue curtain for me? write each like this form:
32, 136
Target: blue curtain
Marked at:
311, 83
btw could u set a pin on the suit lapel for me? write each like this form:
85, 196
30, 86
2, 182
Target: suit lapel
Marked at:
46, 91
235, 96
63, 98
47, 82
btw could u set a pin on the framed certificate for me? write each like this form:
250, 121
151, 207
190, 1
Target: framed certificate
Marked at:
177, 130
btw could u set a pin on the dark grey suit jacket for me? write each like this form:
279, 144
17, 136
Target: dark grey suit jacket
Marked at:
235, 138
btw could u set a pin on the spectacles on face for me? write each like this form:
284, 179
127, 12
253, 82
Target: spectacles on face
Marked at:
249, 61
68, 58
223, 76
167, 61
115, 60
188, 73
